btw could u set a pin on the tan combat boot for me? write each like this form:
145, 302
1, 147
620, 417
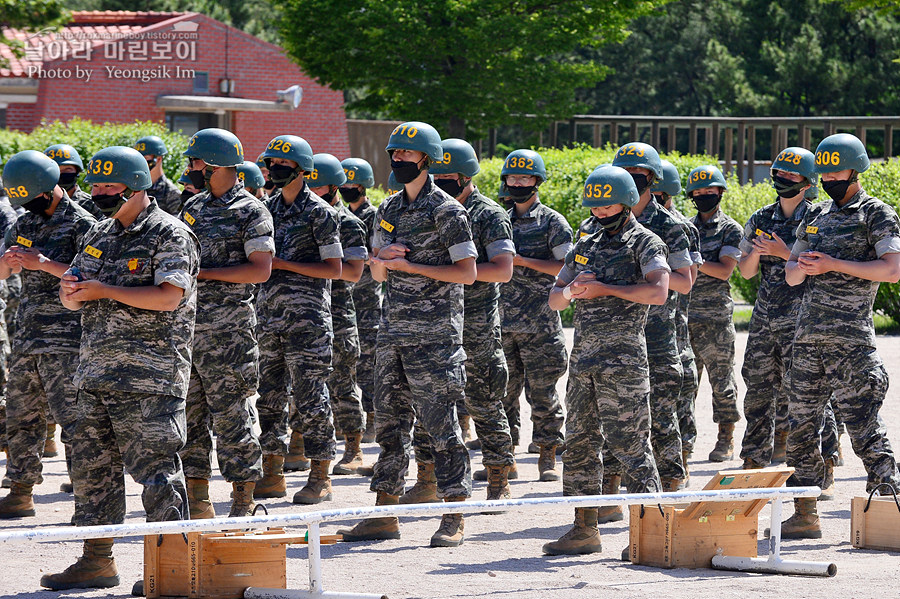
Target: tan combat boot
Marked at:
828, 486
295, 458
198, 499
670, 485
242, 503
750, 464
353, 455
547, 463
724, 449
804, 524
610, 513
375, 529
369, 433
425, 489
51, 449
318, 485
583, 537
779, 450
272, 484
451, 531
482, 474
95, 569
19, 503
498, 485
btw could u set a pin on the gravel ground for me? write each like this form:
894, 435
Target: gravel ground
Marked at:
501, 556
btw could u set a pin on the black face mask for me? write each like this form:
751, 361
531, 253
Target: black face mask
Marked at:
613, 223
660, 199
451, 186
329, 197
109, 204
706, 202
519, 194
208, 173
38, 206
67, 180
197, 179
281, 174
186, 195
641, 182
152, 163
405, 171
785, 188
350, 194
836, 190
269, 186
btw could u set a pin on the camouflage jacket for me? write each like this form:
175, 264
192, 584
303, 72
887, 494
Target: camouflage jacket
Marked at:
167, 195
367, 291
126, 348
541, 233
720, 237
8, 217
305, 231
837, 308
43, 325
609, 331
229, 228
353, 243
83, 199
775, 297
664, 225
492, 234
435, 228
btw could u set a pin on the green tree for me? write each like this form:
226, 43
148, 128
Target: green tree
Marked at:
463, 64
29, 16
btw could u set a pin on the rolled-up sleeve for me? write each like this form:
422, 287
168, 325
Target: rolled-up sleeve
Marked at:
501, 246
729, 251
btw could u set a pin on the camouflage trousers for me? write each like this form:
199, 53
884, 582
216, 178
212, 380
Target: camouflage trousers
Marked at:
299, 360
766, 372
38, 381
687, 423
346, 399
365, 367
713, 345
535, 362
140, 433
486, 378
420, 383
856, 381
224, 376
610, 411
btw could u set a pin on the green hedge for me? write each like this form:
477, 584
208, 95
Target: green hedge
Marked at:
88, 138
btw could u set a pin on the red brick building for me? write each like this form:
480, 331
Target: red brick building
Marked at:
184, 69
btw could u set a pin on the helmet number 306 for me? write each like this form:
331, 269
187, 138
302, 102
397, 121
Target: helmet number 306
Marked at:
828, 158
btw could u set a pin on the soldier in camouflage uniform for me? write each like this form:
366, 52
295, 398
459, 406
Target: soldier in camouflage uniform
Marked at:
164, 191
70, 166
843, 250
613, 274
532, 333
236, 248
251, 176
40, 244
367, 291
423, 249
7, 219
295, 322
663, 191
765, 248
486, 371
711, 308
134, 280
346, 399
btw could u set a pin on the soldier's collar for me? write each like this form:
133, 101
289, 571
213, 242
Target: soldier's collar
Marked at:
426, 190
141, 220
799, 211
853, 204
62, 208
530, 212
228, 197
649, 210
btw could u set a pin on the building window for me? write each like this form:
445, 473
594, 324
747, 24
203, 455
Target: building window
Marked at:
201, 82
189, 123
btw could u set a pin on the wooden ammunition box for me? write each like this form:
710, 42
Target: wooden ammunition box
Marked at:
875, 528
688, 536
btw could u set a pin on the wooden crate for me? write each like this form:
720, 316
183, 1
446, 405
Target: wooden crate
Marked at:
688, 536
217, 565
875, 528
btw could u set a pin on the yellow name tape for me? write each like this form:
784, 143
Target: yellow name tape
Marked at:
189, 219
92, 251
812, 230
581, 259
761, 233
22, 241
582, 234
386, 226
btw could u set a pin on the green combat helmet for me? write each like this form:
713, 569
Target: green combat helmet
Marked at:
800, 161
707, 175
64, 154
327, 170
524, 162
119, 164
418, 136
216, 147
840, 152
458, 157
151, 145
28, 175
670, 183
358, 172
288, 147
608, 185
250, 175
393, 186
184, 179
261, 162
637, 154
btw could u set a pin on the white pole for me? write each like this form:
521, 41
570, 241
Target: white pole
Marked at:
769, 565
315, 558
261, 593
